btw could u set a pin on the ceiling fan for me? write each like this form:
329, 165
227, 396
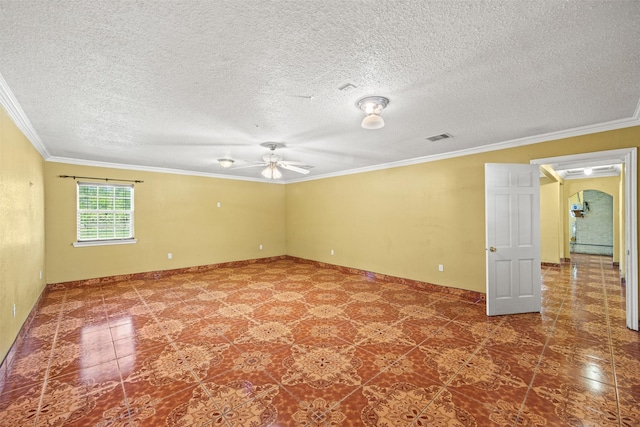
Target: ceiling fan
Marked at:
272, 162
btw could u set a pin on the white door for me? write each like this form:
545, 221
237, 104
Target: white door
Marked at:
512, 201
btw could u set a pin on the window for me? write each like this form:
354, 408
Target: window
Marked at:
105, 214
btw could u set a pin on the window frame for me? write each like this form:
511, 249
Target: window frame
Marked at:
109, 240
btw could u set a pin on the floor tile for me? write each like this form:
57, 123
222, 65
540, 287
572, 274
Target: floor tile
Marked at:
149, 372
567, 401
445, 356
290, 343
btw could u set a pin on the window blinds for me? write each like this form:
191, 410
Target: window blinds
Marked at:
105, 212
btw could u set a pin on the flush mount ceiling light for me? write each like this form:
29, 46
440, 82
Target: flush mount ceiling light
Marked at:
226, 162
588, 171
373, 105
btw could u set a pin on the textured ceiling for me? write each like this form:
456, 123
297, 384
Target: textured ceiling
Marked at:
179, 84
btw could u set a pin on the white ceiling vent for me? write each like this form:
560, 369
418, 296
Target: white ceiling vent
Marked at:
435, 138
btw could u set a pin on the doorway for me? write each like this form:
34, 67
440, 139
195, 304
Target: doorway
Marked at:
628, 158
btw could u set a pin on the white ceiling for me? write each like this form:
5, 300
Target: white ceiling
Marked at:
179, 84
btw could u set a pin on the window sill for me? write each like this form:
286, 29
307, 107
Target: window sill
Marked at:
104, 243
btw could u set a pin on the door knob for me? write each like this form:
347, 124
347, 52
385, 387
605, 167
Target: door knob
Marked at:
492, 249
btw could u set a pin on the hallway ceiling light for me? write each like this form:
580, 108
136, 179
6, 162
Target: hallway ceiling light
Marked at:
373, 105
226, 162
588, 171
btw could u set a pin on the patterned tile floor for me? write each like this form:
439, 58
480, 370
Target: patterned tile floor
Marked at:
291, 344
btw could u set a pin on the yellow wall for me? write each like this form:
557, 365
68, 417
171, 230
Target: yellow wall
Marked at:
550, 221
402, 221
551, 216
405, 221
173, 213
609, 185
22, 246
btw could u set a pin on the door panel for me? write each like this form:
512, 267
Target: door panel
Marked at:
512, 201
503, 278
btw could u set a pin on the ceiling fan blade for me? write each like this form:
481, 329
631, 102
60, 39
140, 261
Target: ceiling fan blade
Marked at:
292, 168
250, 166
287, 162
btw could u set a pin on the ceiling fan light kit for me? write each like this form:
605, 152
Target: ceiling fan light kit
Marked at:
273, 162
373, 105
271, 172
226, 162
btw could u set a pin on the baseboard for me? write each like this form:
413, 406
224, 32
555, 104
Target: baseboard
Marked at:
7, 362
159, 274
550, 264
463, 294
471, 296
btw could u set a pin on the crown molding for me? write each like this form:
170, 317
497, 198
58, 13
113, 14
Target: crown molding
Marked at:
17, 114
551, 136
93, 163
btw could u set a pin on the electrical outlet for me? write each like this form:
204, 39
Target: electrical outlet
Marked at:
331, 251
169, 255
219, 204
260, 247
40, 274
440, 267
14, 310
